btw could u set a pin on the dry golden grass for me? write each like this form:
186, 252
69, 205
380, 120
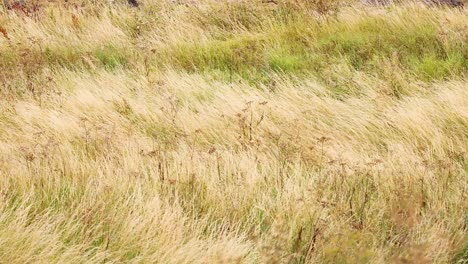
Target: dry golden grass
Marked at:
233, 133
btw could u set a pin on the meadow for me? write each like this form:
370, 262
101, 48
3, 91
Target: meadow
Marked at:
286, 131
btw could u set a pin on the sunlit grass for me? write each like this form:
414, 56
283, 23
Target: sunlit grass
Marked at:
241, 132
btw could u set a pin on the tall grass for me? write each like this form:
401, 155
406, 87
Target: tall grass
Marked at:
233, 132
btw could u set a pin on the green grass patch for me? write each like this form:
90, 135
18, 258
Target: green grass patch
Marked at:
314, 46
286, 62
111, 57
235, 55
462, 255
432, 67
67, 57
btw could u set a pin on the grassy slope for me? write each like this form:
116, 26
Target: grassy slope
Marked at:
226, 133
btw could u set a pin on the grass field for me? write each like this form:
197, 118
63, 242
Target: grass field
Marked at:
233, 132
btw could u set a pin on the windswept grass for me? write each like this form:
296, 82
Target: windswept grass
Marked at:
240, 132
